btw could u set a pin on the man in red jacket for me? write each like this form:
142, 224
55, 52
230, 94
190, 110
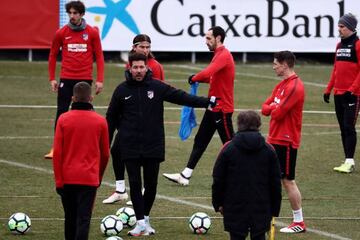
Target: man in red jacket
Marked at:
345, 80
81, 153
220, 74
285, 106
79, 43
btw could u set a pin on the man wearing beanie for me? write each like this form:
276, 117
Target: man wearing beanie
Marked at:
345, 82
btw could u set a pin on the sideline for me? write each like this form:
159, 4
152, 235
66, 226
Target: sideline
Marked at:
171, 199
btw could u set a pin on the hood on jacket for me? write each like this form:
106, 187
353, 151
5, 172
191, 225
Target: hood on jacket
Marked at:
249, 140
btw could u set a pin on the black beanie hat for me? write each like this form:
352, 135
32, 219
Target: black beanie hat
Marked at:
349, 21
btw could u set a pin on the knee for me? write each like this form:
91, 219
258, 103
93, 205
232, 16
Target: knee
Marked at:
288, 184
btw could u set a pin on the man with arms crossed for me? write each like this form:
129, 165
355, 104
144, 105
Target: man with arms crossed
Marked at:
285, 106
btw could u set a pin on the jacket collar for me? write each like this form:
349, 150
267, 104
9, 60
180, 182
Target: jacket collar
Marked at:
81, 106
349, 39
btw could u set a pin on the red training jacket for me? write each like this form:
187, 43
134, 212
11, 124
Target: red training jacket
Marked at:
346, 72
285, 106
81, 148
220, 74
155, 67
78, 49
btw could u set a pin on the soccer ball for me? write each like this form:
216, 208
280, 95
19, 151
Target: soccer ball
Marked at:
111, 225
199, 223
127, 216
19, 223
114, 238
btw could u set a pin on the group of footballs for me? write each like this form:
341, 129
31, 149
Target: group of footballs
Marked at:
111, 225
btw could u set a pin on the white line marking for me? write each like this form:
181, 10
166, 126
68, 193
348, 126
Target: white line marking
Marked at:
171, 199
166, 108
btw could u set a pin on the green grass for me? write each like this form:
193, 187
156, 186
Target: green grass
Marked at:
330, 200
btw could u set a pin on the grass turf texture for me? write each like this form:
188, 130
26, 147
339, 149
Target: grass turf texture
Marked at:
330, 200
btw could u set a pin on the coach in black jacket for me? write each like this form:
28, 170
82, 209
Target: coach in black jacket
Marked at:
136, 110
247, 187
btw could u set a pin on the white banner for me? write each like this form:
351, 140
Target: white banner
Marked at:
250, 25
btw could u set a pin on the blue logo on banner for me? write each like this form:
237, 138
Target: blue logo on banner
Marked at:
115, 10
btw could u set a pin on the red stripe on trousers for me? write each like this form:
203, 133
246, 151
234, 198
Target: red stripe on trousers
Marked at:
287, 160
226, 127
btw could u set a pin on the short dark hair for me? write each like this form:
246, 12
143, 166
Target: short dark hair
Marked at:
218, 31
82, 92
285, 56
248, 121
134, 56
77, 5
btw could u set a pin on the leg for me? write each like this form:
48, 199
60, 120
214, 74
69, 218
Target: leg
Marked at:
340, 111
224, 126
69, 205
350, 117
202, 139
85, 202
293, 193
260, 236
133, 168
237, 236
151, 172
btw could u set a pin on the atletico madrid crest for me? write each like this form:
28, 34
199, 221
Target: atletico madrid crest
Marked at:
85, 36
150, 94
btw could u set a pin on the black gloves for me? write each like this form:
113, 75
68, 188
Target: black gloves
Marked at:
190, 81
60, 191
327, 97
212, 102
349, 97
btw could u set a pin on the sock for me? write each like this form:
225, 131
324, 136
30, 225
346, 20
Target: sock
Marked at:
350, 161
298, 215
187, 172
147, 218
120, 186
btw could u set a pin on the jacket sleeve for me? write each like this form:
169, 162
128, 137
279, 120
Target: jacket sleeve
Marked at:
275, 183
180, 97
267, 106
216, 65
356, 84
290, 99
104, 149
54, 51
158, 72
99, 56
113, 113
58, 154
219, 176
332, 77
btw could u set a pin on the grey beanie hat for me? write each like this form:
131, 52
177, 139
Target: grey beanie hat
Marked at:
349, 21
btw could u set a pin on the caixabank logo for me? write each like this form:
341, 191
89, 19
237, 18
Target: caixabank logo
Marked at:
114, 11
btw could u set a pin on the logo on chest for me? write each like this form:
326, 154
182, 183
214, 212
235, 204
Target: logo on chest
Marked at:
85, 36
77, 47
150, 94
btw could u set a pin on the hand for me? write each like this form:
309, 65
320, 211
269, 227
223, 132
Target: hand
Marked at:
349, 97
54, 85
190, 81
212, 102
221, 210
99, 86
60, 191
327, 97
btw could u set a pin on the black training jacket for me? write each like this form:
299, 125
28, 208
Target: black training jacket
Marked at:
136, 110
247, 184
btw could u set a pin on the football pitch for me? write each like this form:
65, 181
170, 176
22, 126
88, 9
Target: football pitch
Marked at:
27, 109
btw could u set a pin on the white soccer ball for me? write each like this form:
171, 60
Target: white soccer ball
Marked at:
114, 238
199, 223
19, 223
111, 225
127, 216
